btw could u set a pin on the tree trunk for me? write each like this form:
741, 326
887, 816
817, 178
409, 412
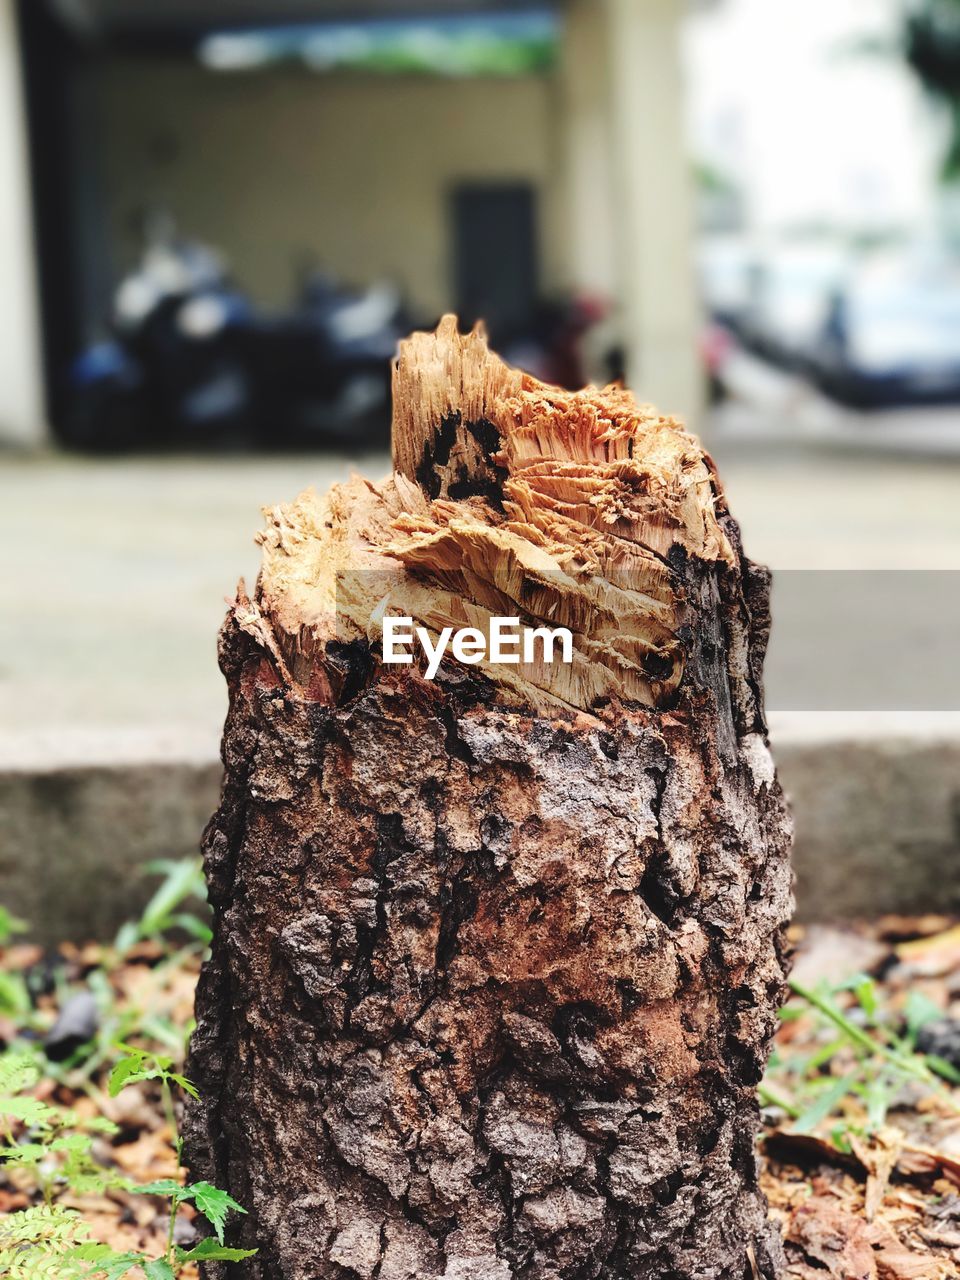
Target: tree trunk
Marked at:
497, 955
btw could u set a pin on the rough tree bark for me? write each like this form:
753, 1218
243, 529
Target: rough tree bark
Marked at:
497, 956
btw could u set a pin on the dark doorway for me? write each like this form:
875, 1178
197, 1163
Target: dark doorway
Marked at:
495, 255
49, 57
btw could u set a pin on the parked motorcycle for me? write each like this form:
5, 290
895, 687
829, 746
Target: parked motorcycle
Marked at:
322, 370
190, 360
167, 371
551, 346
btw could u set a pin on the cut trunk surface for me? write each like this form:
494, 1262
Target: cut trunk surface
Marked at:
497, 955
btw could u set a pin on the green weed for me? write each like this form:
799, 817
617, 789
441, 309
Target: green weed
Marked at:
863, 1055
53, 1147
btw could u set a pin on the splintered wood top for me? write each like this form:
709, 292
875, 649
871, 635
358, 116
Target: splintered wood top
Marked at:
509, 496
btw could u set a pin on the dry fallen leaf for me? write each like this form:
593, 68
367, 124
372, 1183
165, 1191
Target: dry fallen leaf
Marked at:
828, 950
878, 1154
833, 1237
917, 1160
896, 1262
948, 1239
936, 955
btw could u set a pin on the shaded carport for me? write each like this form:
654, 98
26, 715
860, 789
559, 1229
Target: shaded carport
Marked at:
620, 201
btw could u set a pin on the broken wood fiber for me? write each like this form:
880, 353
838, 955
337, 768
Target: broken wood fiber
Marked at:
497, 956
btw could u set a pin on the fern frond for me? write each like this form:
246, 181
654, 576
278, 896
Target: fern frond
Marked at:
18, 1072
46, 1242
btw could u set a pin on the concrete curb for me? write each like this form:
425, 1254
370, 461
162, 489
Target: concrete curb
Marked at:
877, 808
77, 839
878, 825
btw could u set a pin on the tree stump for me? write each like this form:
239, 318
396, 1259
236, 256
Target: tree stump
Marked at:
497, 955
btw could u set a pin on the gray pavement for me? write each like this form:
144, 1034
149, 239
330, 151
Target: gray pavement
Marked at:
115, 581
116, 570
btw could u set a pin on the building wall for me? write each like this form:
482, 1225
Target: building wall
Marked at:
355, 170
21, 397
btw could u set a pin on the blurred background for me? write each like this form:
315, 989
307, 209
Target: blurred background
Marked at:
218, 216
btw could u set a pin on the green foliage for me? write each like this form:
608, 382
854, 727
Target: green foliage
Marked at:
14, 995
40, 1243
47, 1242
54, 1145
210, 1251
182, 882
865, 1055
471, 56
928, 41
120, 1023
9, 925
124, 1021
159, 1269
210, 1201
214, 1204
18, 1072
94, 1259
138, 1064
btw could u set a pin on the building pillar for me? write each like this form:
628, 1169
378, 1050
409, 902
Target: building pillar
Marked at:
629, 189
585, 151
22, 411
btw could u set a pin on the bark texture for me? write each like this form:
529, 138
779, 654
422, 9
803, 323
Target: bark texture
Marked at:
496, 965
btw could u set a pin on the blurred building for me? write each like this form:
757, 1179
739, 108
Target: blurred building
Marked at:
273, 132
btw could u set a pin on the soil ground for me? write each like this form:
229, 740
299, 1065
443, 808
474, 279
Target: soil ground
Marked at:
860, 1145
